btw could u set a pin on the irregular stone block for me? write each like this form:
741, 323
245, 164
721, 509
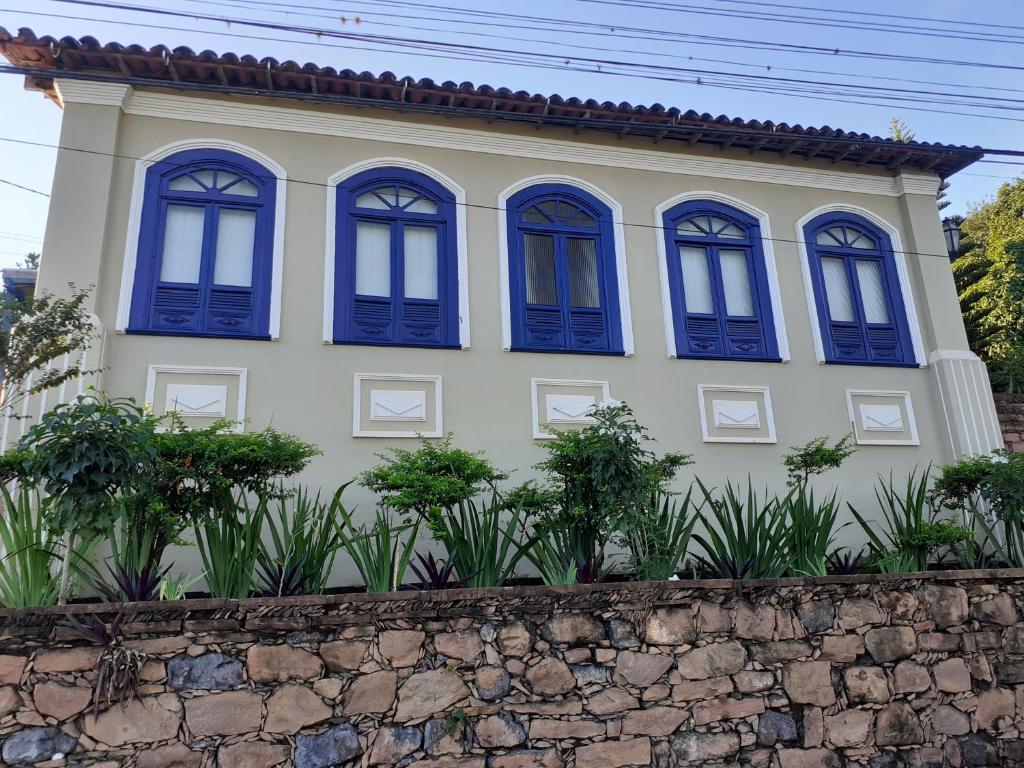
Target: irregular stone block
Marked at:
615, 754
401, 647
500, 730
464, 645
691, 690
429, 693
60, 701
34, 745
697, 747
281, 663
151, 719
11, 668
842, 649
209, 672
713, 660
656, 721
344, 655
849, 728
572, 629
330, 748
911, 677
705, 712
775, 728
890, 643
589, 674
780, 651
992, 705
977, 749
252, 754
10, 700
816, 616
610, 701
550, 677
527, 758
392, 743
999, 610
809, 682
866, 685
857, 612
755, 622
711, 617
370, 694
754, 681
640, 669
515, 640
952, 676
808, 758
492, 682
946, 605
622, 634
70, 660
897, 725
174, 756
224, 714
950, 721
670, 626
555, 730
294, 707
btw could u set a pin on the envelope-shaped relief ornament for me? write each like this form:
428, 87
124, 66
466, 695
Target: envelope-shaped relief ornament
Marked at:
881, 418
398, 405
202, 400
569, 409
736, 414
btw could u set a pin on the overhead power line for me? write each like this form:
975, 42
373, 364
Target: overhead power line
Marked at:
815, 21
323, 185
20, 186
535, 24
740, 81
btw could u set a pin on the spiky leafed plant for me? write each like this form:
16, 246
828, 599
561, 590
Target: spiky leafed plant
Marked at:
436, 574
117, 670
845, 562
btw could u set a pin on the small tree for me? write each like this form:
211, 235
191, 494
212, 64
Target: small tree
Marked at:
42, 329
83, 453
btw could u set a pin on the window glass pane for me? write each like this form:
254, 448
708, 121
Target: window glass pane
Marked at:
534, 216
236, 233
371, 200
242, 187
539, 253
577, 217
373, 258
837, 290
204, 177
186, 183
872, 291
183, 244
584, 286
225, 179
423, 205
406, 196
689, 227
696, 279
420, 262
831, 236
724, 228
736, 283
858, 239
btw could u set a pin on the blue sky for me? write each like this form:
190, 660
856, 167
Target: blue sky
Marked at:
29, 116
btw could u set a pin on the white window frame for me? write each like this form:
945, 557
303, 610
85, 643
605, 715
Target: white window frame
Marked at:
131, 246
619, 237
771, 268
461, 244
902, 274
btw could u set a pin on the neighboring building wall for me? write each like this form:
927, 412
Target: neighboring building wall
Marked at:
815, 673
299, 384
1011, 419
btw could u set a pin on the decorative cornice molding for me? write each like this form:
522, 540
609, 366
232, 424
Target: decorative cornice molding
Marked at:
917, 184
85, 92
224, 112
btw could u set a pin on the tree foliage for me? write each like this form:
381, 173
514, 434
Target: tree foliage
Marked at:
43, 329
990, 280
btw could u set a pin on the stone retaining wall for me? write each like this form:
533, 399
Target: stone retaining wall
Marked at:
1010, 410
914, 671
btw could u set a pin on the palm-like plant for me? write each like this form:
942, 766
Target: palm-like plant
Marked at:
745, 537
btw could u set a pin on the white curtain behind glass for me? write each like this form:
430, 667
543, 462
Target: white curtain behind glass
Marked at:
236, 234
872, 291
373, 258
837, 290
183, 244
736, 283
420, 262
696, 279
584, 286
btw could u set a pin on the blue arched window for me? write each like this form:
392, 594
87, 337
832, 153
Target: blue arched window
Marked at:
206, 245
718, 283
857, 292
396, 269
562, 275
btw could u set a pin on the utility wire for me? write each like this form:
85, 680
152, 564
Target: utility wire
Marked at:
531, 23
322, 185
814, 21
20, 186
900, 96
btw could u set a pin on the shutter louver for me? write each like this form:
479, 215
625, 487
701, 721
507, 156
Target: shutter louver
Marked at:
421, 322
230, 310
745, 337
588, 329
372, 319
545, 328
704, 335
176, 308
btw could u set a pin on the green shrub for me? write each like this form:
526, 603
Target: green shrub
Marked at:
229, 538
304, 543
659, 541
483, 547
379, 553
429, 480
602, 479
